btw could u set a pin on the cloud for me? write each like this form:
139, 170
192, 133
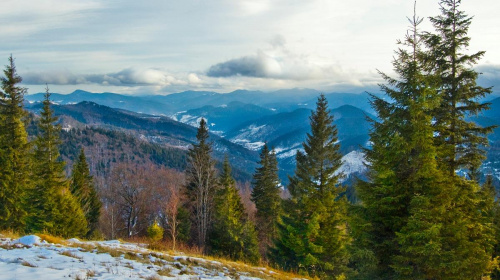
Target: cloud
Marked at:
250, 66
21, 18
278, 62
126, 77
275, 63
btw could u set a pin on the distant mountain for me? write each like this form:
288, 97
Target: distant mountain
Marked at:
223, 118
113, 100
154, 129
277, 101
286, 131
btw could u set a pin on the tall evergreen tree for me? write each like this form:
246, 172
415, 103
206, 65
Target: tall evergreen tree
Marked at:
53, 208
314, 235
266, 196
202, 183
14, 152
230, 236
83, 188
460, 141
401, 158
417, 229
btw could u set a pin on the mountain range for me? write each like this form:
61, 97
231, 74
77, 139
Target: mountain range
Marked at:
240, 122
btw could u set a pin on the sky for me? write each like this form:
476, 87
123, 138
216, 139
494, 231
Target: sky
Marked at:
166, 46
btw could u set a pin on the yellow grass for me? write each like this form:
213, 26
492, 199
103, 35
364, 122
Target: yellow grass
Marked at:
9, 234
52, 239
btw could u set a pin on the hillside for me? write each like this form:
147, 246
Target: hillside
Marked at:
33, 257
106, 129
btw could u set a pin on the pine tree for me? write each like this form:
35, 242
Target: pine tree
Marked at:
53, 208
82, 187
314, 235
230, 235
266, 196
202, 183
14, 152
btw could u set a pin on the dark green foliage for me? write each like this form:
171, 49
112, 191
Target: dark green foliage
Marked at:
231, 235
314, 235
52, 207
70, 219
184, 227
266, 196
417, 220
84, 190
201, 177
404, 176
489, 193
14, 152
460, 141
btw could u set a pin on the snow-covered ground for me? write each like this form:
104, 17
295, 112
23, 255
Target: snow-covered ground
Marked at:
30, 257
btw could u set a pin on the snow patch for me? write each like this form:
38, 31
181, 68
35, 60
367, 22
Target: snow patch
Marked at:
28, 240
38, 260
254, 146
290, 153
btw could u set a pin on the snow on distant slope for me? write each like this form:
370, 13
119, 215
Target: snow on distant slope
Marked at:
353, 162
247, 137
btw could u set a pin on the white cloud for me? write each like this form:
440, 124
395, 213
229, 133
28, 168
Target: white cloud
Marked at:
166, 45
21, 18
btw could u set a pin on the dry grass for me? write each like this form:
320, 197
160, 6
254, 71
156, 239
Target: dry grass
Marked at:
165, 271
27, 263
90, 273
238, 267
136, 257
70, 254
52, 239
9, 234
193, 256
84, 247
115, 253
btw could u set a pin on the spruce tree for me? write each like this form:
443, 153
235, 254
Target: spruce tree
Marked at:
83, 188
202, 183
403, 170
230, 235
313, 237
417, 223
53, 208
460, 141
266, 196
14, 152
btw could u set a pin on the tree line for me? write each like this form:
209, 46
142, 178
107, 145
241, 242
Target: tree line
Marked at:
421, 214
35, 195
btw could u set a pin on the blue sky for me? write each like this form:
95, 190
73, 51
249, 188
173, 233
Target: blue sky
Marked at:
165, 46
